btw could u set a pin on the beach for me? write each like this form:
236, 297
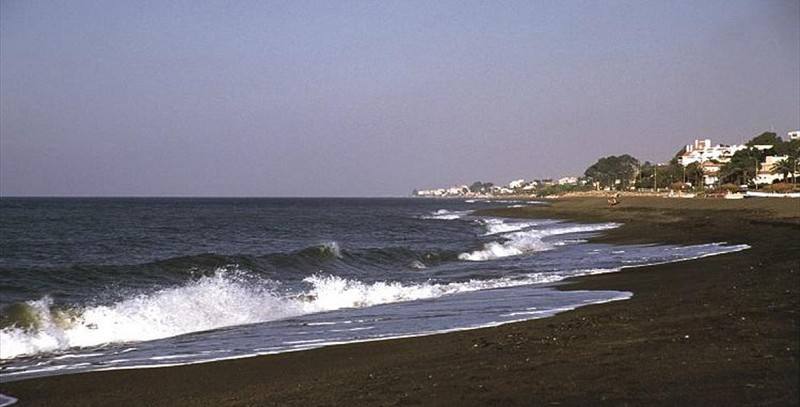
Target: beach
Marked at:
719, 330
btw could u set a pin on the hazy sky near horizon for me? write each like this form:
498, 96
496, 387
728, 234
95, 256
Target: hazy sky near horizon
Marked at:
358, 98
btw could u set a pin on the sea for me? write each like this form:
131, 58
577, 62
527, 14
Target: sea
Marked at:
102, 283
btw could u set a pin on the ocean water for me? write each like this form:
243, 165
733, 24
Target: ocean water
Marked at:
97, 284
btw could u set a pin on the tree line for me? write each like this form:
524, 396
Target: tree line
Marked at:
625, 171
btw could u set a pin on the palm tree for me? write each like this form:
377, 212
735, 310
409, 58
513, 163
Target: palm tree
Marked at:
742, 167
785, 167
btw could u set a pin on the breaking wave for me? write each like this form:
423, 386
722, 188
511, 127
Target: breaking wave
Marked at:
444, 214
523, 240
210, 302
222, 298
279, 265
236, 298
496, 226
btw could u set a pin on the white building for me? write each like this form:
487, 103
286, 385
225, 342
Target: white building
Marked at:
517, 183
710, 172
702, 151
568, 181
766, 172
431, 192
794, 135
458, 190
709, 157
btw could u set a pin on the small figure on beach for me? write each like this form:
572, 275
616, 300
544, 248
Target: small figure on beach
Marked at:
613, 200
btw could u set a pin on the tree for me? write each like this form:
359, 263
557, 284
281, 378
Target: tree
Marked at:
608, 170
645, 177
694, 174
765, 138
659, 175
667, 174
481, 187
792, 151
790, 148
675, 158
785, 167
742, 167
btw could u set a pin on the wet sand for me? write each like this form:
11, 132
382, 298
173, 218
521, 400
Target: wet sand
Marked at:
721, 330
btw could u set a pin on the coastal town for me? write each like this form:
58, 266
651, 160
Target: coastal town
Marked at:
767, 165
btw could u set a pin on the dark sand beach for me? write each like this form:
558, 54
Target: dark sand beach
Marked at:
719, 330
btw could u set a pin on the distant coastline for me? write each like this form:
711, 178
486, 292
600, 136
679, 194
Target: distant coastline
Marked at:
766, 163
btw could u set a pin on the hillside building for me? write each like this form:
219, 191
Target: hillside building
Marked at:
702, 151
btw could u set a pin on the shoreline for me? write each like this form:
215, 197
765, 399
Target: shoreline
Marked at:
553, 285
714, 330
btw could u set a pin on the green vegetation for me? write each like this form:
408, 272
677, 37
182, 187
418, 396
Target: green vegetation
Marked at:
659, 175
561, 189
744, 165
791, 164
614, 171
781, 187
481, 187
785, 167
764, 138
624, 171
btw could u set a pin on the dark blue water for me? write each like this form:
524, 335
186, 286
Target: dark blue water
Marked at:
89, 284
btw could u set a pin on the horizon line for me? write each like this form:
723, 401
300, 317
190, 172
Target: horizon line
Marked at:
195, 197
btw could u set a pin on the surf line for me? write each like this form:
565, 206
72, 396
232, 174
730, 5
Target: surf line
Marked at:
6, 400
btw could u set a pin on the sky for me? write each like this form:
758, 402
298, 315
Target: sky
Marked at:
375, 98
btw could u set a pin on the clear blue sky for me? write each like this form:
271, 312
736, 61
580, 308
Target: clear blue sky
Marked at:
339, 98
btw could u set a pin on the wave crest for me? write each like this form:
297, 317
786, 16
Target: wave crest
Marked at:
210, 302
444, 214
524, 240
206, 303
235, 298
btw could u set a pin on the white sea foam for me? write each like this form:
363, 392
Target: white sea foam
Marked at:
496, 226
332, 292
525, 241
207, 303
228, 298
444, 214
213, 302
